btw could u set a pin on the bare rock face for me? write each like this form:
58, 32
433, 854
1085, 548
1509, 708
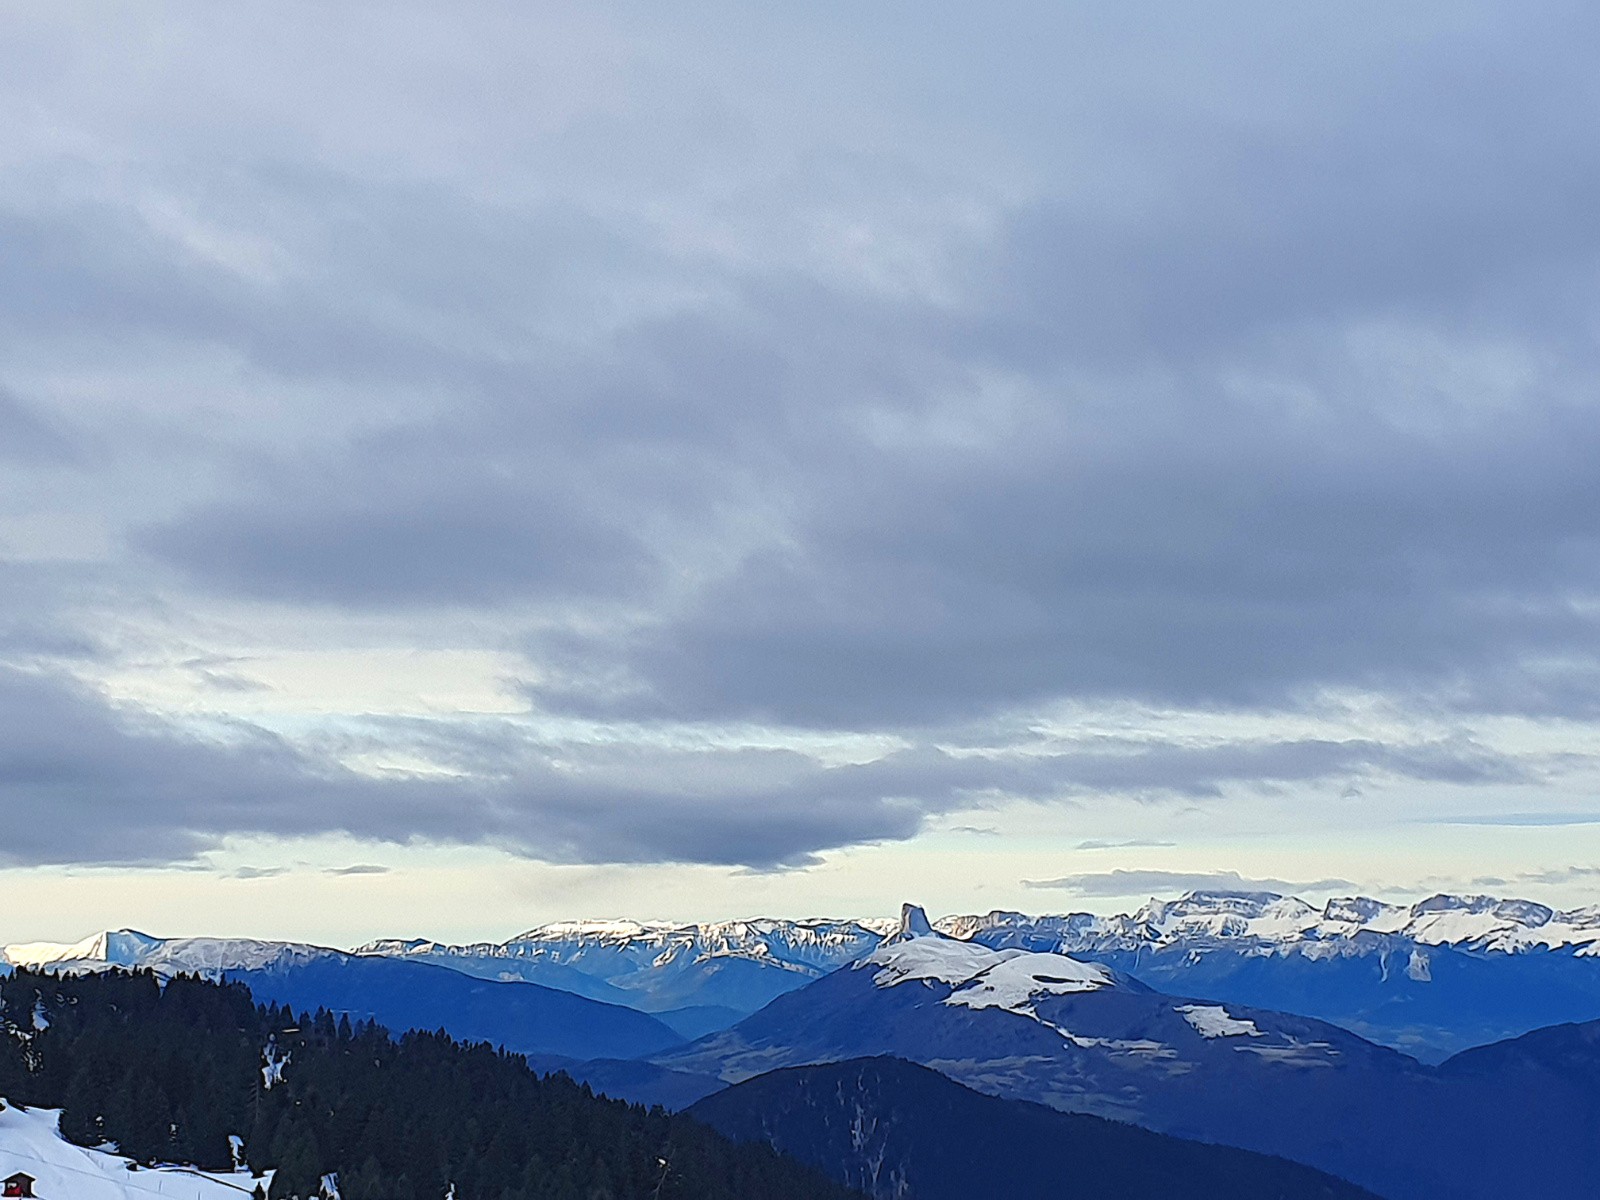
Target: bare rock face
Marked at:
914, 923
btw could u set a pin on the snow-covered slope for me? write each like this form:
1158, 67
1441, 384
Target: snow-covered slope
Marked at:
932, 995
122, 948
978, 976
30, 1143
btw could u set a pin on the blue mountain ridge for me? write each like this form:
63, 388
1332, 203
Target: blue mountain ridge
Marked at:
730, 969
1441, 976
526, 1018
1429, 1001
1191, 1061
1228, 1074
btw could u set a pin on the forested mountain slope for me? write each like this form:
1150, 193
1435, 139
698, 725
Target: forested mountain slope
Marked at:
893, 1129
169, 1072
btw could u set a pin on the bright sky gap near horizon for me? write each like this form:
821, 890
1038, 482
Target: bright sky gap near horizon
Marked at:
465, 467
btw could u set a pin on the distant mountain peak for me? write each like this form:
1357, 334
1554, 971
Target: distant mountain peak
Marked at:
914, 923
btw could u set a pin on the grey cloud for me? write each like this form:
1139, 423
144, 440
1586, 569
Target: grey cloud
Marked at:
218, 672
1234, 558
345, 311
625, 802
1212, 493
222, 681
1252, 228
1263, 368
359, 869
28, 436
257, 872
1278, 514
331, 548
1560, 875
1204, 771
81, 782
1528, 820
1140, 882
55, 641
1124, 844
1552, 877
606, 473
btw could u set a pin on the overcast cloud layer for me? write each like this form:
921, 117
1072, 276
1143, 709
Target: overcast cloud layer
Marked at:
823, 419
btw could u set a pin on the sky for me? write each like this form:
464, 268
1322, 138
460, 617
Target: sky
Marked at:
465, 466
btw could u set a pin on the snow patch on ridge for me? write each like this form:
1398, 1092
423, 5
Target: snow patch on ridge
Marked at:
1142, 1047
1018, 978
1213, 1021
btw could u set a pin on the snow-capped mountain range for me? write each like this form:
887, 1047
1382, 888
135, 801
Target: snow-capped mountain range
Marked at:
1267, 921
1284, 924
1006, 1011
1082, 1037
735, 967
165, 956
1071, 1003
657, 966
1431, 978
614, 951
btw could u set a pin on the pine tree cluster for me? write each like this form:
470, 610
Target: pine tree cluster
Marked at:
168, 1070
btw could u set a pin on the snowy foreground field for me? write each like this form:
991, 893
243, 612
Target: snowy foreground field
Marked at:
30, 1143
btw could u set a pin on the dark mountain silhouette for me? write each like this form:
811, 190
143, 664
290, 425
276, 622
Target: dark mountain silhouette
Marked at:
893, 1129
